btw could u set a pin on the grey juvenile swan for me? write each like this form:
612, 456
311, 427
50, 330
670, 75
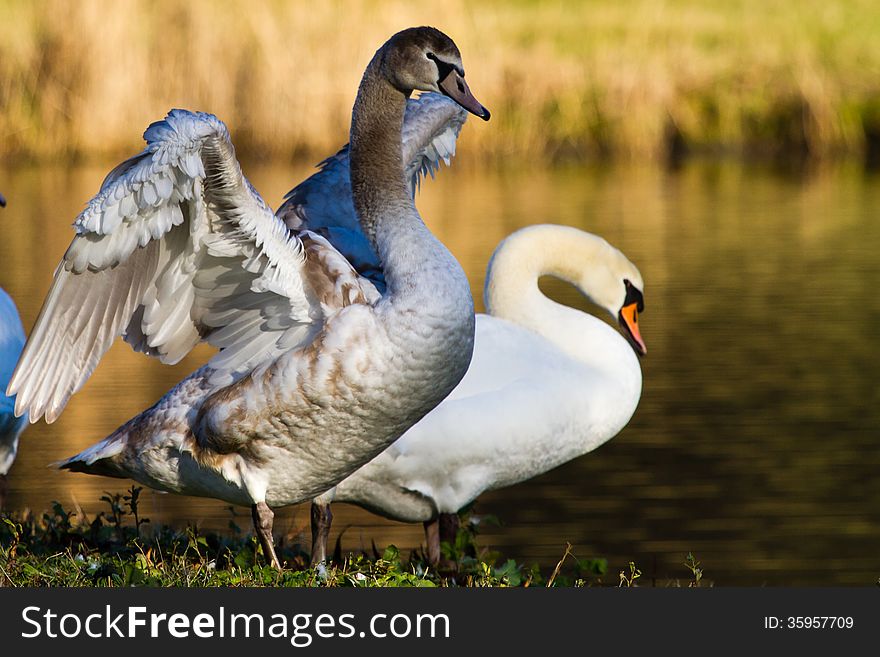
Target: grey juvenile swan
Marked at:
317, 371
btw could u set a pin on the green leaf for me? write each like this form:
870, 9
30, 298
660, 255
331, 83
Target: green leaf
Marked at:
391, 554
594, 567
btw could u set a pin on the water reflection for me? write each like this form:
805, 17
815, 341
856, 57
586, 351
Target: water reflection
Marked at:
754, 443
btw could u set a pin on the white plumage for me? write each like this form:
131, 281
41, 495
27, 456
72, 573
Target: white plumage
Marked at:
547, 384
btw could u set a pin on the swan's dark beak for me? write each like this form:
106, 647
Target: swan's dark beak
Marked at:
2, 201
454, 86
629, 323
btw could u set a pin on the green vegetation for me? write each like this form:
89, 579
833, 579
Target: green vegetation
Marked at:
567, 78
113, 550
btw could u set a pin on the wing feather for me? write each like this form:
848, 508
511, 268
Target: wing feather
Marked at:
175, 248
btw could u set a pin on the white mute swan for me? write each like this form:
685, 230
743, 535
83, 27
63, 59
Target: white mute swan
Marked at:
317, 372
547, 384
11, 341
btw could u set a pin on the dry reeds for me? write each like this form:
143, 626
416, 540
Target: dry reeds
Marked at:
636, 78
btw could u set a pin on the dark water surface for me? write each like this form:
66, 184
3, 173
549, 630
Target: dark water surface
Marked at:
755, 445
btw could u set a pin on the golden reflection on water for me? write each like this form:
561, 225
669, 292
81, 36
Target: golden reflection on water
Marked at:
754, 443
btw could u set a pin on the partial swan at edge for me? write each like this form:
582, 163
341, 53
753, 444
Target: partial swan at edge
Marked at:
11, 342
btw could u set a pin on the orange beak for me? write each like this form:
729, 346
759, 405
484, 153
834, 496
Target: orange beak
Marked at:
629, 322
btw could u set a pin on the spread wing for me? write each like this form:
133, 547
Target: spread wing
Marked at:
322, 203
177, 247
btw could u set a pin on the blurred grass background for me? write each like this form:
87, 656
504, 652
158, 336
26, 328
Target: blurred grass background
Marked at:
636, 79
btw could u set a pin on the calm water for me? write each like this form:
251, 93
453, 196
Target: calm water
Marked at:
755, 442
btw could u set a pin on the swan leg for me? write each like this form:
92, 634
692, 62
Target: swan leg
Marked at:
449, 525
322, 518
263, 517
432, 538
448, 532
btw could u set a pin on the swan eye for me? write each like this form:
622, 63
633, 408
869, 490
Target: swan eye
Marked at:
633, 295
445, 68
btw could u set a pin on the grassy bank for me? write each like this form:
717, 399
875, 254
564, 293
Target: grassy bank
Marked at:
118, 547
633, 78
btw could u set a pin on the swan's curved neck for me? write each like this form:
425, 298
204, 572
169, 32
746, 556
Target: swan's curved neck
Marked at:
512, 291
579, 258
418, 269
427, 311
379, 190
